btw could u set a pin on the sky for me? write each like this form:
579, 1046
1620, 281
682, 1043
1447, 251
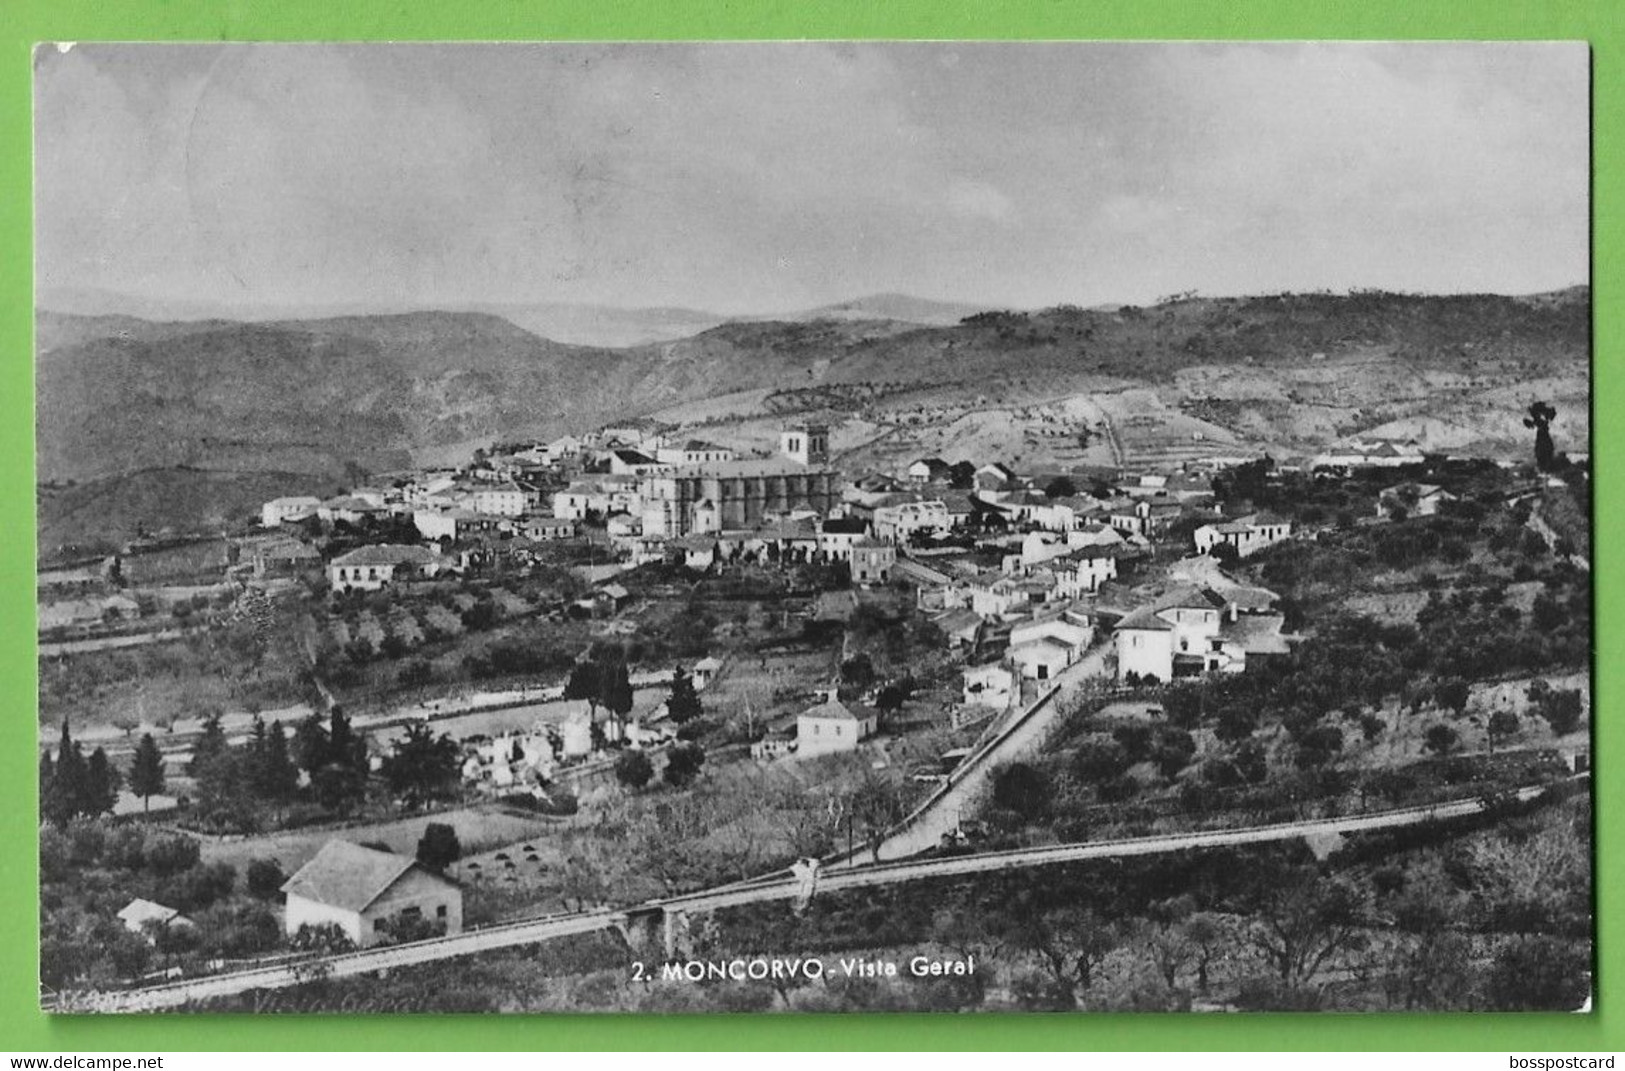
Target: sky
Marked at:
753, 178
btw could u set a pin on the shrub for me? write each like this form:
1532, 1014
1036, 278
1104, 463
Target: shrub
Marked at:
265, 878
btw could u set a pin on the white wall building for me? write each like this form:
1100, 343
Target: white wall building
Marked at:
1248, 534
362, 892
829, 727
898, 523
280, 510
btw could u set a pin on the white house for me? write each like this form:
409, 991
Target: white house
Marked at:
623, 527
294, 508
1042, 659
1360, 454
1072, 631
705, 671
960, 627
838, 535
1248, 534
927, 469
1188, 632
872, 561
694, 452
372, 567
562, 447
577, 500
348, 508
503, 500
991, 685
1415, 499
898, 523
831, 726
1145, 517
549, 528
1083, 570
365, 892
994, 477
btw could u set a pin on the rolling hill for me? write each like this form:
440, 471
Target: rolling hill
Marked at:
327, 399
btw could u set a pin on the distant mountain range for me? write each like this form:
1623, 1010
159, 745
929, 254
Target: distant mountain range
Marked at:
574, 324
312, 403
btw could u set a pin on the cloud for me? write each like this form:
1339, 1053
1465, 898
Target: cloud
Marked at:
753, 177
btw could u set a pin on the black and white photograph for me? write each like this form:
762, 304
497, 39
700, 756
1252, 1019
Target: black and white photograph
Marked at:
814, 527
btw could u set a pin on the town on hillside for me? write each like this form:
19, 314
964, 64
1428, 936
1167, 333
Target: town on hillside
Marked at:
444, 687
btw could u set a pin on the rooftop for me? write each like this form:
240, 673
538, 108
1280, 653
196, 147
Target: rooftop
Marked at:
831, 709
1144, 619
760, 466
347, 876
386, 554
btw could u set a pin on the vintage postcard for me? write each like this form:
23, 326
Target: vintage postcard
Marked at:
814, 527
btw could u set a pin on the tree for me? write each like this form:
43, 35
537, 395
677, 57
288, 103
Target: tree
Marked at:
1452, 694
1208, 935
1173, 751
167, 856
1060, 487
1069, 943
344, 745
584, 683
1541, 415
147, 771
1440, 739
1539, 974
211, 744
101, 785
683, 704
615, 693
1318, 745
311, 744
275, 777
875, 805
1184, 704
1503, 723
422, 766
961, 475
1022, 789
63, 784
265, 878
891, 698
683, 764
858, 671
1166, 941
438, 848
633, 768
1305, 920
1561, 708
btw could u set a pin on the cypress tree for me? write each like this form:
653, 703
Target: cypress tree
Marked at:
311, 744
211, 745
147, 770
102, 782
616, 694
683, 705
65, 794
277, 776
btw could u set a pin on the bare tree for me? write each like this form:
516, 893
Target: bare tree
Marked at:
1301, 925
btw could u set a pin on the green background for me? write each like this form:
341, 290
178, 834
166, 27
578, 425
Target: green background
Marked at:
24, 22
